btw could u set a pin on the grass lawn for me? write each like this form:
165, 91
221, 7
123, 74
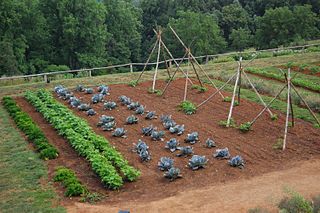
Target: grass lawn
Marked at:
22, 172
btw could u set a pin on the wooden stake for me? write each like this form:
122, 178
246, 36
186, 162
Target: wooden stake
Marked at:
255, 90
157, 65
174, 60
239, 84
267, 106
146, 64
196, 72
288, 111
172, 77
186, 85
308, 107
176, 35
216, 92
233, 96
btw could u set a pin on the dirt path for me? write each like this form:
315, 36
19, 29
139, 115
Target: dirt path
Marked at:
264, 191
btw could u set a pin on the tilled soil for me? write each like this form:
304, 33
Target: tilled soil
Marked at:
255, 146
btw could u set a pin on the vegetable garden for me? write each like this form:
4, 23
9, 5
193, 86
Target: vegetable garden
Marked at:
138, 142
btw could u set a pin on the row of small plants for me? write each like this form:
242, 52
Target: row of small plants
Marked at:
298, 80
256, 55
104, 159
32, 131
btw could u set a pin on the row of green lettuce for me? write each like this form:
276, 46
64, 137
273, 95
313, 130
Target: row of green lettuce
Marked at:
32, 131
301, 80
105, 160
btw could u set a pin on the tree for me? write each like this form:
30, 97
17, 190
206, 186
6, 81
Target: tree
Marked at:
281, 26
240, 39
78, 33
8, 62
200, 31
234, 17
123, 23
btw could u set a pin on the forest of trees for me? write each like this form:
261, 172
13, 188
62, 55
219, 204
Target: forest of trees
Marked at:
48, 35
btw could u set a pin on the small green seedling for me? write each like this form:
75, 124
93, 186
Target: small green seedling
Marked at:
245, 127
188, 107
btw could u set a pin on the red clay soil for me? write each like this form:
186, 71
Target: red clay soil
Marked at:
255, 147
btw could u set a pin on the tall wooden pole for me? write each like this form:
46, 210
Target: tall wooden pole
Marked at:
146, 64
288, 109
186, 84
197, 63
157, 65
255, 90
233, 96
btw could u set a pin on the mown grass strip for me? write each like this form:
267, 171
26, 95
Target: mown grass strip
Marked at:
23, 175
32, 131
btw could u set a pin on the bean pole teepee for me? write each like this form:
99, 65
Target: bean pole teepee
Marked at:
194, 63
289, 86
164, 49
237, 90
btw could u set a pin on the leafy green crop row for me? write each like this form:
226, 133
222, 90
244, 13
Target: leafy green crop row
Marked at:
33, 132
104, 158
299, 80
70, 181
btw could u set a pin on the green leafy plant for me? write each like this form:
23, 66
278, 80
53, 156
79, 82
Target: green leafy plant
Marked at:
69, 180
33, 132
224, 123
156, 91
278, 145
295, 203
274, 117
245, 127
229, 99
133, 83
91, 198
188, 107
199, 88
105, 160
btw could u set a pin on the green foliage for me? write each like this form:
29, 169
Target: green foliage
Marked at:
69, 180
229, 99
199, 88
309, 82
282, 26
33, 132
91, 198
316, 204
295, 203
133, 83
240, 39
224, 123
188, 107
278, 145
104, 159
222, 59
55, 68
245, 127
199, 27
24, 186
156, 91
274, 117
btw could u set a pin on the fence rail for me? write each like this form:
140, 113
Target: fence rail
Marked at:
131, 65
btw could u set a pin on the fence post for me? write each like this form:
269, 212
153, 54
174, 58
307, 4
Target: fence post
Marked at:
207, 59
170, 64
90, 74
131, 68
45, 78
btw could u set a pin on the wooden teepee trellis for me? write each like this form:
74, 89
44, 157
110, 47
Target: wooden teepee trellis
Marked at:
237, 90
194, 63
161, 47
289, 86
